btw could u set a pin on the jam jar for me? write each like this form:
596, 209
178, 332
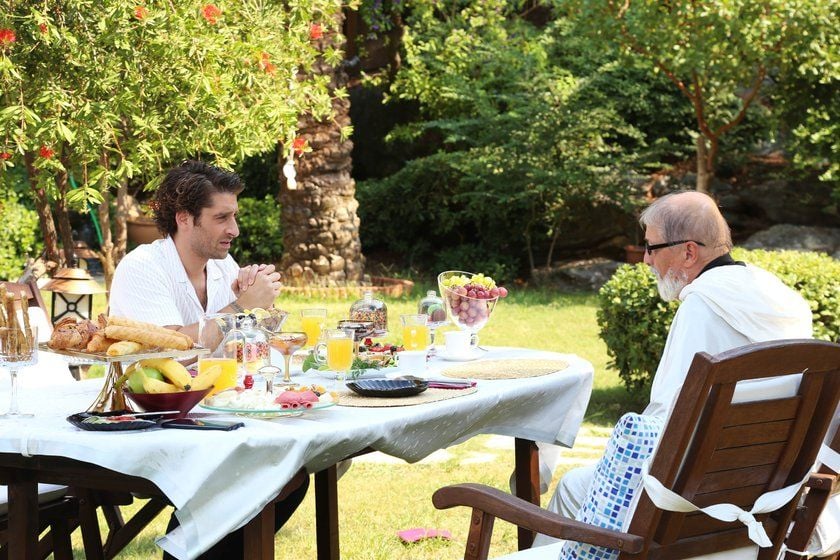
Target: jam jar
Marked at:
370, 309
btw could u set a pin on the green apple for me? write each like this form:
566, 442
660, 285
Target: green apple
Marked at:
135, 380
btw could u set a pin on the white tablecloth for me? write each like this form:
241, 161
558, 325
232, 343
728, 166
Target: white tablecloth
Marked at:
220, 480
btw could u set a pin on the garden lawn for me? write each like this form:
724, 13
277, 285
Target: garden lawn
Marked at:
379, 497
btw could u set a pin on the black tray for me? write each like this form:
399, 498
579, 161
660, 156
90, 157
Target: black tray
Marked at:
136, 424
388, 387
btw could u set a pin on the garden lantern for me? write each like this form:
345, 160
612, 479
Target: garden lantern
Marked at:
72, 293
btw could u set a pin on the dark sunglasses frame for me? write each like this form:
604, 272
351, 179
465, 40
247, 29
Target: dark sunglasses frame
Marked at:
651, 248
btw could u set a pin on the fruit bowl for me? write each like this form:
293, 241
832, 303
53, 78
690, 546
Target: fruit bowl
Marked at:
467, 310
182, 401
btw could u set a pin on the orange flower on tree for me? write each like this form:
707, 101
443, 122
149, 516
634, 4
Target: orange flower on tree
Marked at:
266, 64
4, 156
211, 13
7, 37
140, 12
45, 152
316, 31
43, 28
299, 145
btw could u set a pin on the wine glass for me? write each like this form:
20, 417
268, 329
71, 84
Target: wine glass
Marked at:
287, 343
466, 312
18, 348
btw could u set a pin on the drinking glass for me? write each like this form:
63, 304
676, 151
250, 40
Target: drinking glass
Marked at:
287, 343
212, 330
312, 323
339, 350
18, 348
415, 331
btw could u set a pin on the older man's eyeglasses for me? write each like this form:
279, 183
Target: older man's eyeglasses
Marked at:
651, 248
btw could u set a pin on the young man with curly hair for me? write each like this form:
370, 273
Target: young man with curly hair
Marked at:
173, 281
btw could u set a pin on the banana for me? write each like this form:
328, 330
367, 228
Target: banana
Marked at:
206, 378
173, 370
156, 386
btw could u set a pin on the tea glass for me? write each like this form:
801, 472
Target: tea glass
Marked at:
312, 323
339, 352
415, 331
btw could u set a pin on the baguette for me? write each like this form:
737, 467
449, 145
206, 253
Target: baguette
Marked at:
126, 322
147, 337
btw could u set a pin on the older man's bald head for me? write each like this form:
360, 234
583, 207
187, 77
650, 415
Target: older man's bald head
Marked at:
689, 215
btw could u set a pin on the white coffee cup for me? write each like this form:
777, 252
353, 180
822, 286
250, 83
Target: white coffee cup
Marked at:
457, 344
411, 361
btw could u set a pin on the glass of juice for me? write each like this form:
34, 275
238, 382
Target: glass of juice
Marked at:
312, 323
227, 379
339, 352
415, 331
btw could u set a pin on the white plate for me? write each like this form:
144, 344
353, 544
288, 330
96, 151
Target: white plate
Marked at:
473, 355
268, 412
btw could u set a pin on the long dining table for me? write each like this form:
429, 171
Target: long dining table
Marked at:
219, 481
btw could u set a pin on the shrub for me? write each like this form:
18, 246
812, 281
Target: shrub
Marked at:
260, 234
634, 321
18, 236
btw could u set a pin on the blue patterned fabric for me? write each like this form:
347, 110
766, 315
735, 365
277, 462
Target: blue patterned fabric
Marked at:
617, 480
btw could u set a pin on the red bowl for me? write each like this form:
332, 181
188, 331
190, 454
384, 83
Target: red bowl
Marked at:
183, 401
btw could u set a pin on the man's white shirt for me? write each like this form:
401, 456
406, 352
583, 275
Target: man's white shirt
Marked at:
151, 285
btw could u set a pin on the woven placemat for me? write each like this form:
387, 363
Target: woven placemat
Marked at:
505, 369
349, 398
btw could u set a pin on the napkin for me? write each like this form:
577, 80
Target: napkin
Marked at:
419, 533
451, 383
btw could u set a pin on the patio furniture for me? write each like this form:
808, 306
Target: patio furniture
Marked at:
716, 448
193, 470
814, 523
55, 511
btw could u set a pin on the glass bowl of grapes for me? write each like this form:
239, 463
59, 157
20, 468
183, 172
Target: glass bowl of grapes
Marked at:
469, 299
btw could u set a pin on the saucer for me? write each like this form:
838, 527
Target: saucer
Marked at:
473, 354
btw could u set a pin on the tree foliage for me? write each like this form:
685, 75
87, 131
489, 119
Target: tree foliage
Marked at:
114, 89
717, 53
515, 137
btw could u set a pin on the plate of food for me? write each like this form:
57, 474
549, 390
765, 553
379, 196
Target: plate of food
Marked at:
114, 421
291, 401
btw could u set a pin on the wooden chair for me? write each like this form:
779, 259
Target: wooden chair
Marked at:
822, 486
711, 451
56, 511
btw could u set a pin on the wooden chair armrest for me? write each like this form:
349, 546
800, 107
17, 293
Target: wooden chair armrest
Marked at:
823, 482
523, 514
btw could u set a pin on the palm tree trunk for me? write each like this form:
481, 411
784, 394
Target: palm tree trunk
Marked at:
320, 224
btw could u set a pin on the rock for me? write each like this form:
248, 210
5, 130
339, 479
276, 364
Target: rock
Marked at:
797, 238
587, 273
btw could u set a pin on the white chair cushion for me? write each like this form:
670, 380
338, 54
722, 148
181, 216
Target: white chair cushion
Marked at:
46, 493
825, 540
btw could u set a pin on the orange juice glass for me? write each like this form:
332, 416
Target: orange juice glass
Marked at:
415, 331
227, 379
340, 354
312, 321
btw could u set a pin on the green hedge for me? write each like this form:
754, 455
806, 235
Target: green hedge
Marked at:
260, 234
634, 320
19, 236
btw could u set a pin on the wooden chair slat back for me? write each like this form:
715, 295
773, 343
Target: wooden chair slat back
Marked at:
713, 451
28, 290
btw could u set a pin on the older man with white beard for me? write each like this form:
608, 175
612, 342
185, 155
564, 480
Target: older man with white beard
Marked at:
724, 304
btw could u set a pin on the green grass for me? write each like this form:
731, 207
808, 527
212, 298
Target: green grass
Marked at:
378, 499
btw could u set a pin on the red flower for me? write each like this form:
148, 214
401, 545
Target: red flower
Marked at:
5, 156
42, 27
299, 145
316, 31
140, 12
45, 152
7, 37
211, 13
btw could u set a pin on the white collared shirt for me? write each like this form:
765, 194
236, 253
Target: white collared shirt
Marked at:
151, 285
